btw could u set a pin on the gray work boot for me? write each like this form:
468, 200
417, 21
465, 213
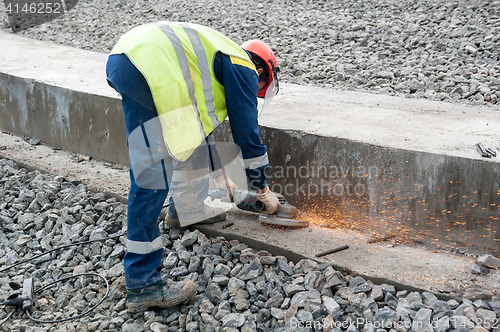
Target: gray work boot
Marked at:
161, 294
173, 220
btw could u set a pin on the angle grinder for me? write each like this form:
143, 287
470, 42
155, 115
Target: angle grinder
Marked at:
247, 200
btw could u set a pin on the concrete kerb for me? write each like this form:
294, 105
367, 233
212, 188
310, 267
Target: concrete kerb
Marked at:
68, 119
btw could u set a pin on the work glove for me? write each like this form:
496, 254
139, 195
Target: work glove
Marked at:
270, 201
221, 183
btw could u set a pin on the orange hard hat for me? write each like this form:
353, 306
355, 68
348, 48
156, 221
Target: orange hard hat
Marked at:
263, 51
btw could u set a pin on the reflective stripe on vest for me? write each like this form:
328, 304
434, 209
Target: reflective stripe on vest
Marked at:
177, 61
205, 72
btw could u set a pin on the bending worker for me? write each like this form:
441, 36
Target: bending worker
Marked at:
178, 82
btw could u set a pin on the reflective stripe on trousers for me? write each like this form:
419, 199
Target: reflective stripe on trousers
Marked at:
145, 248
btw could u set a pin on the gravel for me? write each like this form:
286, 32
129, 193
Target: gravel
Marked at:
438, 50
238, 288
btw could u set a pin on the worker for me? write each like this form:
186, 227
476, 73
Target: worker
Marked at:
178, 82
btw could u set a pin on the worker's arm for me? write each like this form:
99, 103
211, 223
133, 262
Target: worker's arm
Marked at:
241, 86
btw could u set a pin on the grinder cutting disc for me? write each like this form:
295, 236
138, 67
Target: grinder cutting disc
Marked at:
274, 220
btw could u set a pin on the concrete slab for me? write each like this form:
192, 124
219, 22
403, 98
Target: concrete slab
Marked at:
54, 64
449, 129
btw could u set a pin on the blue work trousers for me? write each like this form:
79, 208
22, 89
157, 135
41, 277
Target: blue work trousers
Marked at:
152, 173
144, 205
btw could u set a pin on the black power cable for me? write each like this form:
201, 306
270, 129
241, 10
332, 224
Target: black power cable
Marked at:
63, 279
73, 317
8, 316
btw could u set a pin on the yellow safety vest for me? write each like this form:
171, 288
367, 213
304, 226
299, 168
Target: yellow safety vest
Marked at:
177, 61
